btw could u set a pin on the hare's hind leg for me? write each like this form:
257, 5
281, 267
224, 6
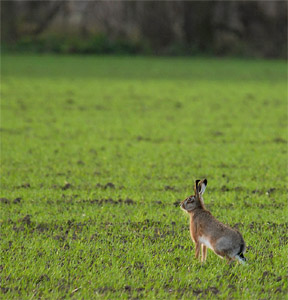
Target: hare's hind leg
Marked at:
204, 253
229, 260
197, 250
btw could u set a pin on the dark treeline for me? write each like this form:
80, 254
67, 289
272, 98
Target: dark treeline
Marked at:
253, 28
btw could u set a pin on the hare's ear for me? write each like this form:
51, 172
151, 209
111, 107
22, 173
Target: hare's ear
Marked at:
196, 186
202, 186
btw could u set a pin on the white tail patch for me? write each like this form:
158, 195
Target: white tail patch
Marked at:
240, 259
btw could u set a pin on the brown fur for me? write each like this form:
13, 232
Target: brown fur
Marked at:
207, 230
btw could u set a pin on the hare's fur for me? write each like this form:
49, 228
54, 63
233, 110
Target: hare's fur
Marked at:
207, 232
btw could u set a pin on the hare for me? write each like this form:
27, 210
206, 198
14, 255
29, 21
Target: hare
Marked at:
207, 232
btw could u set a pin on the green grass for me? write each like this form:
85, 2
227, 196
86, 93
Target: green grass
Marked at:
101, 149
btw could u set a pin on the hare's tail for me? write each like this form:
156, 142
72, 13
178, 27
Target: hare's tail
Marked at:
240, 256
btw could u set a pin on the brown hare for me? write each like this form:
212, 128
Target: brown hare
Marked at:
207, 232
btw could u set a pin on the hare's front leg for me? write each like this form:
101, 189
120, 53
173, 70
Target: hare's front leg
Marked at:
197, 250
204, 253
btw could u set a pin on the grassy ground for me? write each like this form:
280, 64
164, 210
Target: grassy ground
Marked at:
96, 154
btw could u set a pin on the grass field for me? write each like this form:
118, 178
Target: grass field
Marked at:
96, 154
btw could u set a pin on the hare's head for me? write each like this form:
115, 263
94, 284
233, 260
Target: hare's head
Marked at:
196, 200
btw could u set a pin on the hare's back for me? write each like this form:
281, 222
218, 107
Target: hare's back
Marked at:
208, 225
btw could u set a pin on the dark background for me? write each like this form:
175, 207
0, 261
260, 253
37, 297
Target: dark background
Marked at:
241, 28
